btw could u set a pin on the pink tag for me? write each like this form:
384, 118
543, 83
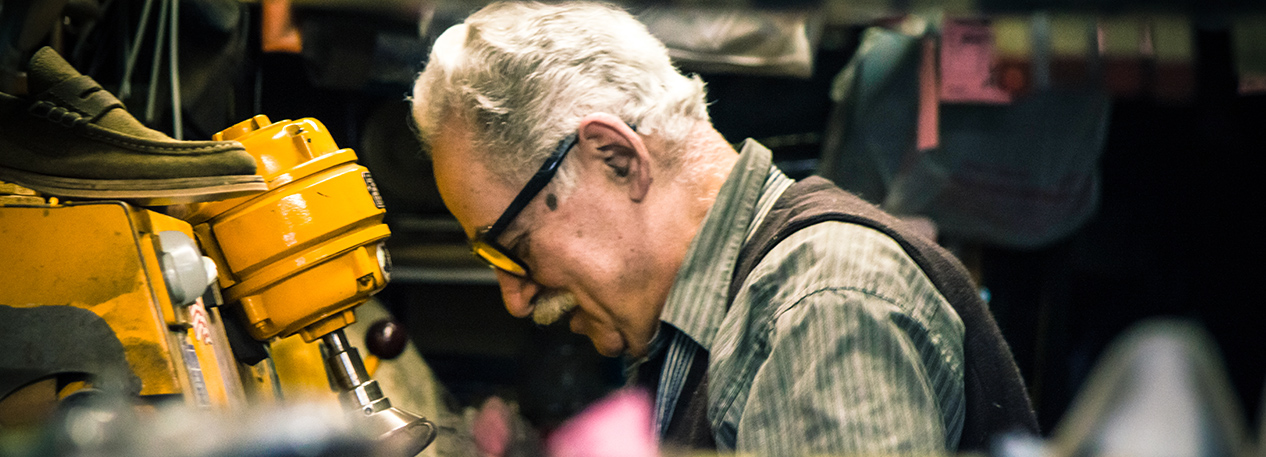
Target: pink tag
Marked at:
929, 135
967, 59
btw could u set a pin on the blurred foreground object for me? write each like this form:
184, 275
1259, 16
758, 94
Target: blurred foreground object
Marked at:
498, 430
620, 425
109, 425
1160, 390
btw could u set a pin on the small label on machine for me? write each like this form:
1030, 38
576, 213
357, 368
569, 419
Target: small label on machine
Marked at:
373, 190
200, 321
201, 397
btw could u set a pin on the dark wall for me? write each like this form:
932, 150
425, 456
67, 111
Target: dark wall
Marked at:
1176, 235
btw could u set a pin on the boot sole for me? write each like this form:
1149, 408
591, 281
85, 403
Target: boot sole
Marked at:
143, 192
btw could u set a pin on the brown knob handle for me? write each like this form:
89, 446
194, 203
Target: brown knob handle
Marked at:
386, 339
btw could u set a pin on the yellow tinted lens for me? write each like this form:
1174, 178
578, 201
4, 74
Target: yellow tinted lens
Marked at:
497, 259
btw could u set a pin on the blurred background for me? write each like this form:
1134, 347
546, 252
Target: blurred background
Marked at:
1089, 160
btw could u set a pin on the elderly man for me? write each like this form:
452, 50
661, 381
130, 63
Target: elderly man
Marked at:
766, 315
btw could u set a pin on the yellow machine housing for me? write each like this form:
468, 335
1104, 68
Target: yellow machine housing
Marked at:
293, 260
299, 257
105, 257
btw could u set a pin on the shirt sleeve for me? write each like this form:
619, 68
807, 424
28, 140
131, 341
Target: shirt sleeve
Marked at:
843, 376
857, 353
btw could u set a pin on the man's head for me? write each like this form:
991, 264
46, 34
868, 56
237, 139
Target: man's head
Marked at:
566, 143
521, 76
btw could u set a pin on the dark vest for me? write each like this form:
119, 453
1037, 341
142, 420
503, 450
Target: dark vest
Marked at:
996, 400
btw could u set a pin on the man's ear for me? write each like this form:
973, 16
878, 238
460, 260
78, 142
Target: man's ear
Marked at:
622, 151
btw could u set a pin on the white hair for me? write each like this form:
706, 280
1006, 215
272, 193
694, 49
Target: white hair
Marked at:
520, 76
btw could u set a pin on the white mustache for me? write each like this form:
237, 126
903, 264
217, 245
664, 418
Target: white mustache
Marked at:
548, 308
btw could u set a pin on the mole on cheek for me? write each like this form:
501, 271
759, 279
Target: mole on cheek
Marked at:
551, 201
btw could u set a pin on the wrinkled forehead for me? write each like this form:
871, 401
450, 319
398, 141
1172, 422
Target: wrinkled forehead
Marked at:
469, 189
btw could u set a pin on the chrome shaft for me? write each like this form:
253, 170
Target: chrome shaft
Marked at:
399, 433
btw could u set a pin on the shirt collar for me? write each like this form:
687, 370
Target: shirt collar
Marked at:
697, 301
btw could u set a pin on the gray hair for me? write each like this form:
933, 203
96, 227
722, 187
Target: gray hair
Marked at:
521, 76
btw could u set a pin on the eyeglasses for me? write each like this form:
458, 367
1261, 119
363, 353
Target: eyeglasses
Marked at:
485, 245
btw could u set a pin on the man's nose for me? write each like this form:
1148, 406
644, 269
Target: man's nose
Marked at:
517, 293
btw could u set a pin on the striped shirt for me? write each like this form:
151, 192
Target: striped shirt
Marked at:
836, 343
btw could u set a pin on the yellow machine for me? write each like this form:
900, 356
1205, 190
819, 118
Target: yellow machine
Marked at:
293, 261
137, 274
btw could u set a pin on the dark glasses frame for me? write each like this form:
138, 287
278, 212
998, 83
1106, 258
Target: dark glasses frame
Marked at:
485, 245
